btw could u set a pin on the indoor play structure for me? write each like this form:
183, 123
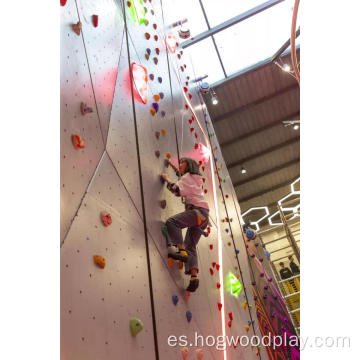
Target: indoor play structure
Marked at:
128, 103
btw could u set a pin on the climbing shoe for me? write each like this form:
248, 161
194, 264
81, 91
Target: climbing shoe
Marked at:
193, 284
181, 255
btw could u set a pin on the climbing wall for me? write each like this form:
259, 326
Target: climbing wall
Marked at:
128, 102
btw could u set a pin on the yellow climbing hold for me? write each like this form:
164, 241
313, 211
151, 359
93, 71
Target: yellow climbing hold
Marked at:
163, 132
244, 304
247, 328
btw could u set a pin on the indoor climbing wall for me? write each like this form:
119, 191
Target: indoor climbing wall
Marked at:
127, 104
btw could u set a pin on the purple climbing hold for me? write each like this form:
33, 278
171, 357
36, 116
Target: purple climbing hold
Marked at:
252, 255
264, 296
253, 283
261, 259
227, 230
163, 204
256, 244
160, 79
188, 316
161, 95
237, 251
151, 76
275, 297
155, 106
262, 274
270, 279
175, 299
247, 246
215, 159
163, 113
266, 287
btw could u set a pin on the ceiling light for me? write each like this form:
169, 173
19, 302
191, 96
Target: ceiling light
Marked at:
214, 100
286, 67
296, 127
243, 170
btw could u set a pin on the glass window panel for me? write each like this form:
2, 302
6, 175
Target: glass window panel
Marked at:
178, 10
205, 60
219, 11
256, 38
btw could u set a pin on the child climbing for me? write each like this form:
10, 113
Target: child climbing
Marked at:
195, 218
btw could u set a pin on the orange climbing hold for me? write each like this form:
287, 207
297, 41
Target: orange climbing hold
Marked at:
181, 265
106, 218
170, 261
78, 141
247, 327
168, 155
156, 97
99, 260
163, 132
152, 111
77, 27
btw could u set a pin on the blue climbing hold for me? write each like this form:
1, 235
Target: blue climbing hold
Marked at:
148, 51
175, 299
237, 251
249, 234
160, 79
162, 180
227, 230
188, 316
267, 254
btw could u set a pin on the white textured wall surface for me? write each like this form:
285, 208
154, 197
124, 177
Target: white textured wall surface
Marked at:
96, 304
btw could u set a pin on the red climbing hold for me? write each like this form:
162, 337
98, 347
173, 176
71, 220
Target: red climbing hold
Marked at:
196, 136
163, 204
219, 306
190, 96
196, 146
190, 121
230, 316
218, 285
185, 89
106, 218
157, 50
78, 141
192, 129
147, 35
203, 168
95, 20
217, 267
63, 2
203, 179
205, 191
128, 4
155, 26
211, 271
213, 264
229, 324
211, 246
156, 37
226, 195
186, 106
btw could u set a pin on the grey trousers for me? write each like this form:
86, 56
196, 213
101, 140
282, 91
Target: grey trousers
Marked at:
187, 219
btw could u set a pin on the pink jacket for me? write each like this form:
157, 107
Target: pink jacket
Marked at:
190, 188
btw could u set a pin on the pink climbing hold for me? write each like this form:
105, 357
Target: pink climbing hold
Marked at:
106, 218
95, 20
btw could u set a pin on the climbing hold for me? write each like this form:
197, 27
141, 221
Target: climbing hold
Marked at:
229, 243
269, 279
163, 204
227, 230
162, 180
140, 80
267, 254
146, 21
218, 285
85, 109
253, 283
219, 304
163, 132
128, 3
261, 259
152, 111
157, 50
229, 323
170, 261
155, 60
203, 168
226, 195
196, 146
179, 56
250, 307
244, 304
63, 2
255, 297
148, 51
237, 251
213, 264
192, 129
188, 316
95, 20
211, 271
180, 264
136, 326
146, 56
185, 353
211, 246
262, 274
77, 27
161, 95
157, 134
157, 153
160, 79
175, 299
106, 218
230, 316
217, 267
147, 36
155, 106
185, 89
247, 327
168, 155
190, 96
78, 141
199, 354
151, 76
163, 113
155, 26
265, 296
156, 97
166, 163
205, 191
156, 37
99, 260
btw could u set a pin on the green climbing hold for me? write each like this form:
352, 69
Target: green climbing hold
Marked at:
164, 231
136, 326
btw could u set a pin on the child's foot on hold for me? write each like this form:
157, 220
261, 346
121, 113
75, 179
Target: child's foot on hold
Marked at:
181, 255
194, 284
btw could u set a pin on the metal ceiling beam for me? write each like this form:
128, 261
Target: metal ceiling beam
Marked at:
267, 190
260, 129
284, 47
267, 172
230, 22
249, 105
264, 152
